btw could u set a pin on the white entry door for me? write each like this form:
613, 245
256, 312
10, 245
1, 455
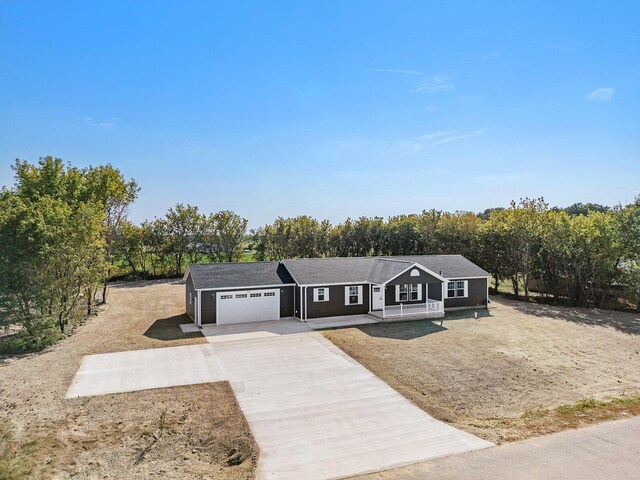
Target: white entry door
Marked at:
376, 295
247, 306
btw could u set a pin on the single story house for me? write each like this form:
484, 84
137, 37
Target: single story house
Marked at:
386, 287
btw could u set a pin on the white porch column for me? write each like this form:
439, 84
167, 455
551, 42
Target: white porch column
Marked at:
384, 296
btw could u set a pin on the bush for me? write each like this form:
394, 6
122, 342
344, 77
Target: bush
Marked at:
39, 338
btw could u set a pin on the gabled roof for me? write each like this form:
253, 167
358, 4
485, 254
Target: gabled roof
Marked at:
315, 271
323, 271
241, 274
448, 266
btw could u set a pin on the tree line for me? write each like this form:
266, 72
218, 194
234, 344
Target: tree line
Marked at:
65, 232
576, 255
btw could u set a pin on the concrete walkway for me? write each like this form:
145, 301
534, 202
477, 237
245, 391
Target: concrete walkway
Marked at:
314, 411
609, 450
144, 369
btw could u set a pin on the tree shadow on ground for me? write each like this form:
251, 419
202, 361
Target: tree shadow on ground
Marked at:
169, 328
408, 330
624, 322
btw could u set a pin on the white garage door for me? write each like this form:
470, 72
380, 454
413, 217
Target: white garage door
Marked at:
247, 306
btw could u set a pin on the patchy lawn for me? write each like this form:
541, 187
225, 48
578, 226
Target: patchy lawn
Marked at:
502, 377
195, 431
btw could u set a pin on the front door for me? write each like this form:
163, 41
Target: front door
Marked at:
376, 295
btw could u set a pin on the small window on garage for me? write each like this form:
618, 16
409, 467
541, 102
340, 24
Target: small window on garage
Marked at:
226, 297
241, 295
321, 294
255, 295
269, 294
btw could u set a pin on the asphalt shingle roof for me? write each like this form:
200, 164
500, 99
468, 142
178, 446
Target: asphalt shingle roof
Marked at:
448, 266
242, 274
318, 271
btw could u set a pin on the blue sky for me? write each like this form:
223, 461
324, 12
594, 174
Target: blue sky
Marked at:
332, 109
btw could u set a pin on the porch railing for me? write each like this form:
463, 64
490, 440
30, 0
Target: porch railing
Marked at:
402, 310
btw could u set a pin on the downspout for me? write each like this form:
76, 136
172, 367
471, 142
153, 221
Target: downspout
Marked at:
305, 304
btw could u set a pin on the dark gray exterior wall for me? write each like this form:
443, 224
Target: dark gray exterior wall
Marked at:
477, 295
208, 314
297, 308
335, 306
286, 302
406, 278
435, 291
189, 306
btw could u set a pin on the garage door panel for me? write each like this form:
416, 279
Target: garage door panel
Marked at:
248, 306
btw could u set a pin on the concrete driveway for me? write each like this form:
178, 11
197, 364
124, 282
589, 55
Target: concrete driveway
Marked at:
314, 411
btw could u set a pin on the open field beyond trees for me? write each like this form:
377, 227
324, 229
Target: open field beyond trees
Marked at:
502, 377
195, 431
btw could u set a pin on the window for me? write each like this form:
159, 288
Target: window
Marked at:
225, 297
321, 294
241, 295
415, 272
352, 295
403, 295
255, 295
269, 294
457, 289
414, 292
451, 290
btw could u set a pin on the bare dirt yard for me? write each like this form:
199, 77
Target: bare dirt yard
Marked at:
195, 431
502, 377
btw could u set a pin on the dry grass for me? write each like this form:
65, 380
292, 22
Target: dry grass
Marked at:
486, 376
195, 431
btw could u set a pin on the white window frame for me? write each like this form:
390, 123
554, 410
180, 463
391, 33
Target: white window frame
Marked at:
321, 292
348, 294
417, 289
400, 291
458, 285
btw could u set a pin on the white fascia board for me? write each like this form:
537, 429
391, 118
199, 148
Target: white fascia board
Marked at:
468, 278
245, 287
417, 265
334, 284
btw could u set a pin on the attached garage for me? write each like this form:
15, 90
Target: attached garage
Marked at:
227, 293
248, 306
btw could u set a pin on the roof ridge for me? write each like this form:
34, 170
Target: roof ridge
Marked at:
397, 260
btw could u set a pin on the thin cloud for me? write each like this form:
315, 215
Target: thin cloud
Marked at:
106, 124
394, 70
490, 56
601, 95
437, 83
89, 121
439, 137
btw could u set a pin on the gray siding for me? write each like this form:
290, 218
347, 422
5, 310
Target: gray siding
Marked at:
208, 314
406, 278
286, 302
190, 305
335, 306
477, 295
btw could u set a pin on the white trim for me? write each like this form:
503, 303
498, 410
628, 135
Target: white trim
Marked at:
467, 278
325, 294
455, 289
420, 267
347, 295
364, 282
199, 313
246, 287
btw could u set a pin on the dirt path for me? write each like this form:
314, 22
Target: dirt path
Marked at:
482, 375
195, 431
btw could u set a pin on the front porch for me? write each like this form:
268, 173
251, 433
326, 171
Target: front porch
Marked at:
431, 308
